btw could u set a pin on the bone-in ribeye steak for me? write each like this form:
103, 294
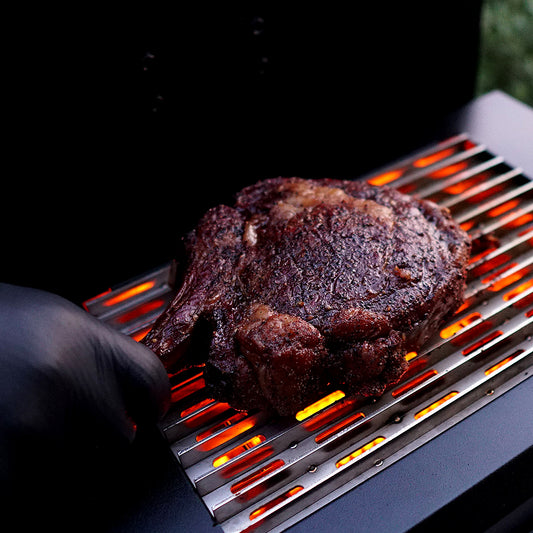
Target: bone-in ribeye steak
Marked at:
305, 285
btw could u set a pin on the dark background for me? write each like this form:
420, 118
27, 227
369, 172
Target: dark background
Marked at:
125, 126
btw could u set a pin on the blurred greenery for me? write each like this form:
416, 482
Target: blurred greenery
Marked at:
506, 54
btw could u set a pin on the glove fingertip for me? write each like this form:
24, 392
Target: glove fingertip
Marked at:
144, 382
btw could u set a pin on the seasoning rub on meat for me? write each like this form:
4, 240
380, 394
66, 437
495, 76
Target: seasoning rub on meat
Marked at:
306, 285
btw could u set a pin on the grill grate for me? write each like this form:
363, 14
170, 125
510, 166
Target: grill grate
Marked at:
255, 472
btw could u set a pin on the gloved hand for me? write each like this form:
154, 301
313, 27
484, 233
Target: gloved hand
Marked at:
68, 380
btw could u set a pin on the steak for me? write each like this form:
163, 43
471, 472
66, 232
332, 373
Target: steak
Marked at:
308, 286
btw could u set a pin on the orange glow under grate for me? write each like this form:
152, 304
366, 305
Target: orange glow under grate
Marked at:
276, 501
233, 431
475, 258
338, 427
451, 330
518, 290
485, 195
329, 415
434, 158
519, 221
207, 415
359, 451
216, 424
130, 293
468, 225
436, 404
220, 426
464, 185
141, 310
526, 301
319, 405
386, 177
462, 308
505, 281
502, 363
503, 208
187, 388
410, 356
234, 452
139, 335
489, 265
490, 337
525, 231
406, 387
449, 170
471, 334
88, 302
251, 459
256, 476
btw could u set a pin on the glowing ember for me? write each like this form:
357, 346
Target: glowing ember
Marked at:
319, 405
359, 451
436, 404
130, 293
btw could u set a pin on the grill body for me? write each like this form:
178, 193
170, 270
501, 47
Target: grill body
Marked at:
458, 426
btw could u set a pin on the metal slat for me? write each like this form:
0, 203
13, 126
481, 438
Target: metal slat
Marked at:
479, 287
513, 241
485, 186
307, 449
478, 210
406, 163
414, 175
440, 185
499, 223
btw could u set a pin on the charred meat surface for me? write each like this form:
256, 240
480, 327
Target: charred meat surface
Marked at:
305, 285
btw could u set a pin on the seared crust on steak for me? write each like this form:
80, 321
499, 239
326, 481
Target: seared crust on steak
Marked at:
306, 285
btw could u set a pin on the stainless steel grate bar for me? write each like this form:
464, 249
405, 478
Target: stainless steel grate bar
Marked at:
416, 174
487, 206
485, 186
438, 186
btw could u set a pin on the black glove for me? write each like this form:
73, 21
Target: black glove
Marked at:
68, 382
